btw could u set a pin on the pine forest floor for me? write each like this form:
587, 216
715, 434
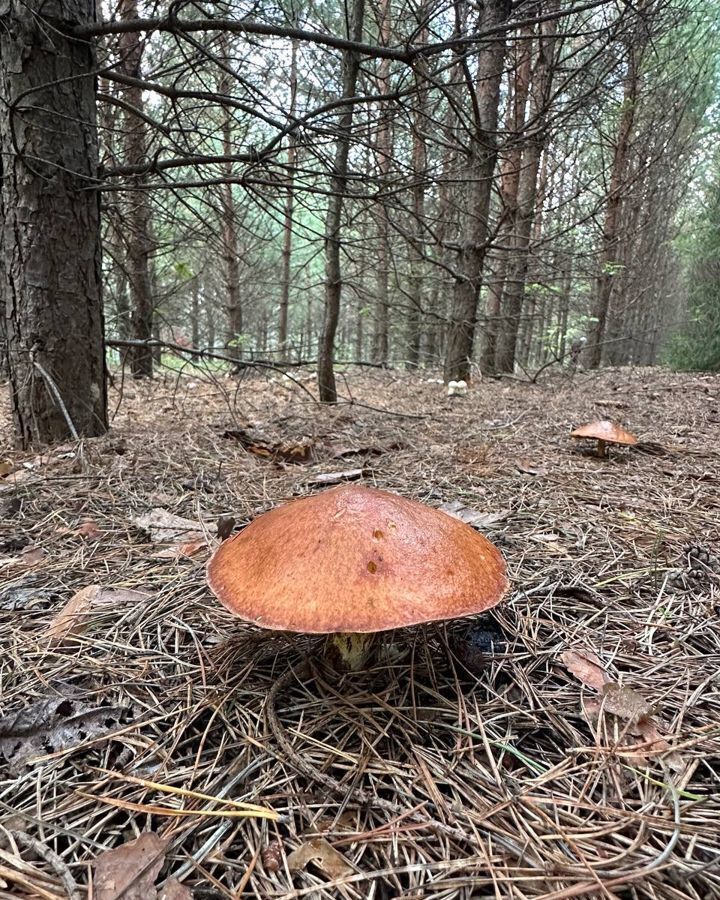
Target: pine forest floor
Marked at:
565, 745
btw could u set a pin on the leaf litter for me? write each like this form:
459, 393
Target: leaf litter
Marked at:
61, 721
197, 681
165, 527
186, 538
77, 614
478, 519
635, 713
129, 872
586, 667
321, 853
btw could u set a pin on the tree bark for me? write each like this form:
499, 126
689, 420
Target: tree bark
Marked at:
195, 311
509, 185
210, 325
419, 164
233, 341
333, 222
540, 94
477, 177
383, 157
50, 275
4, 370
289, 211
139, 245
608, 253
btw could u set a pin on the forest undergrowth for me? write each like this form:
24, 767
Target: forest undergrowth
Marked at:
567, 744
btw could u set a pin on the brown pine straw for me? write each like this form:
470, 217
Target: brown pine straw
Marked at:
431, 781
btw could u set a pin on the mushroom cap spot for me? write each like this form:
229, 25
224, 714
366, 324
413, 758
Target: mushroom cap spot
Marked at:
604, 430
311, 565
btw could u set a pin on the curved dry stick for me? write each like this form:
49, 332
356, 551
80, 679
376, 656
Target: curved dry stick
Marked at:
50, 857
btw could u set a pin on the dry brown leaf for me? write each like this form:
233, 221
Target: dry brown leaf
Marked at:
324, 855
293, 453
128, 872
29, 557
6, 467
479, 520
77, 613
338, 451
648, 731
625, 703
638, 726
174, 890
337, 477
71, 619
255, 443
17, 477
166, 528
191, 548
178, 551
57, 722
528, 467
33, 556
586, 667
225, 527
89, 530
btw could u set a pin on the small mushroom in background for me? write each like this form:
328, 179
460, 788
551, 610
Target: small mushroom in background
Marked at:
604, 432
457, 388
353, 562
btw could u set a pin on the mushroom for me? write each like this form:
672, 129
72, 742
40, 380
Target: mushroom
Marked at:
456, 388
354, 561
604, 432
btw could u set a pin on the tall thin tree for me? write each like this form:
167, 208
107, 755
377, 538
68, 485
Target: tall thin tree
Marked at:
334, 218
138, 215
477, 177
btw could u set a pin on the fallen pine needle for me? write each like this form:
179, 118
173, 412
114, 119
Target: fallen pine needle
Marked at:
149, 809
184, 792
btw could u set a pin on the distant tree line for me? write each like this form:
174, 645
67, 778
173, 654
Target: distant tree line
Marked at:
466, 187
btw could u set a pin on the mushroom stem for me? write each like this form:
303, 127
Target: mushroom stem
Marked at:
350, 650
602, 449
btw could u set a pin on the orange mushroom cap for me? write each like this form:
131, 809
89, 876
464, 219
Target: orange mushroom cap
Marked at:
355, 559
604, 430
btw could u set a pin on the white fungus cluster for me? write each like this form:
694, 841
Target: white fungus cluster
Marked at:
457, 388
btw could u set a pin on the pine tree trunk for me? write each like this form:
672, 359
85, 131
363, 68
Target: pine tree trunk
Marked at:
540, 94
234, 333
608, 254
289, 211
195, 311
416, 321
333, 221
137, 216
4, 369
509, 186
50, 275
383, 155
210, 325
477, 177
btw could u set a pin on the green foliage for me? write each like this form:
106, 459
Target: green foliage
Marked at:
697, 345
183, 270
240, 341
613, 268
